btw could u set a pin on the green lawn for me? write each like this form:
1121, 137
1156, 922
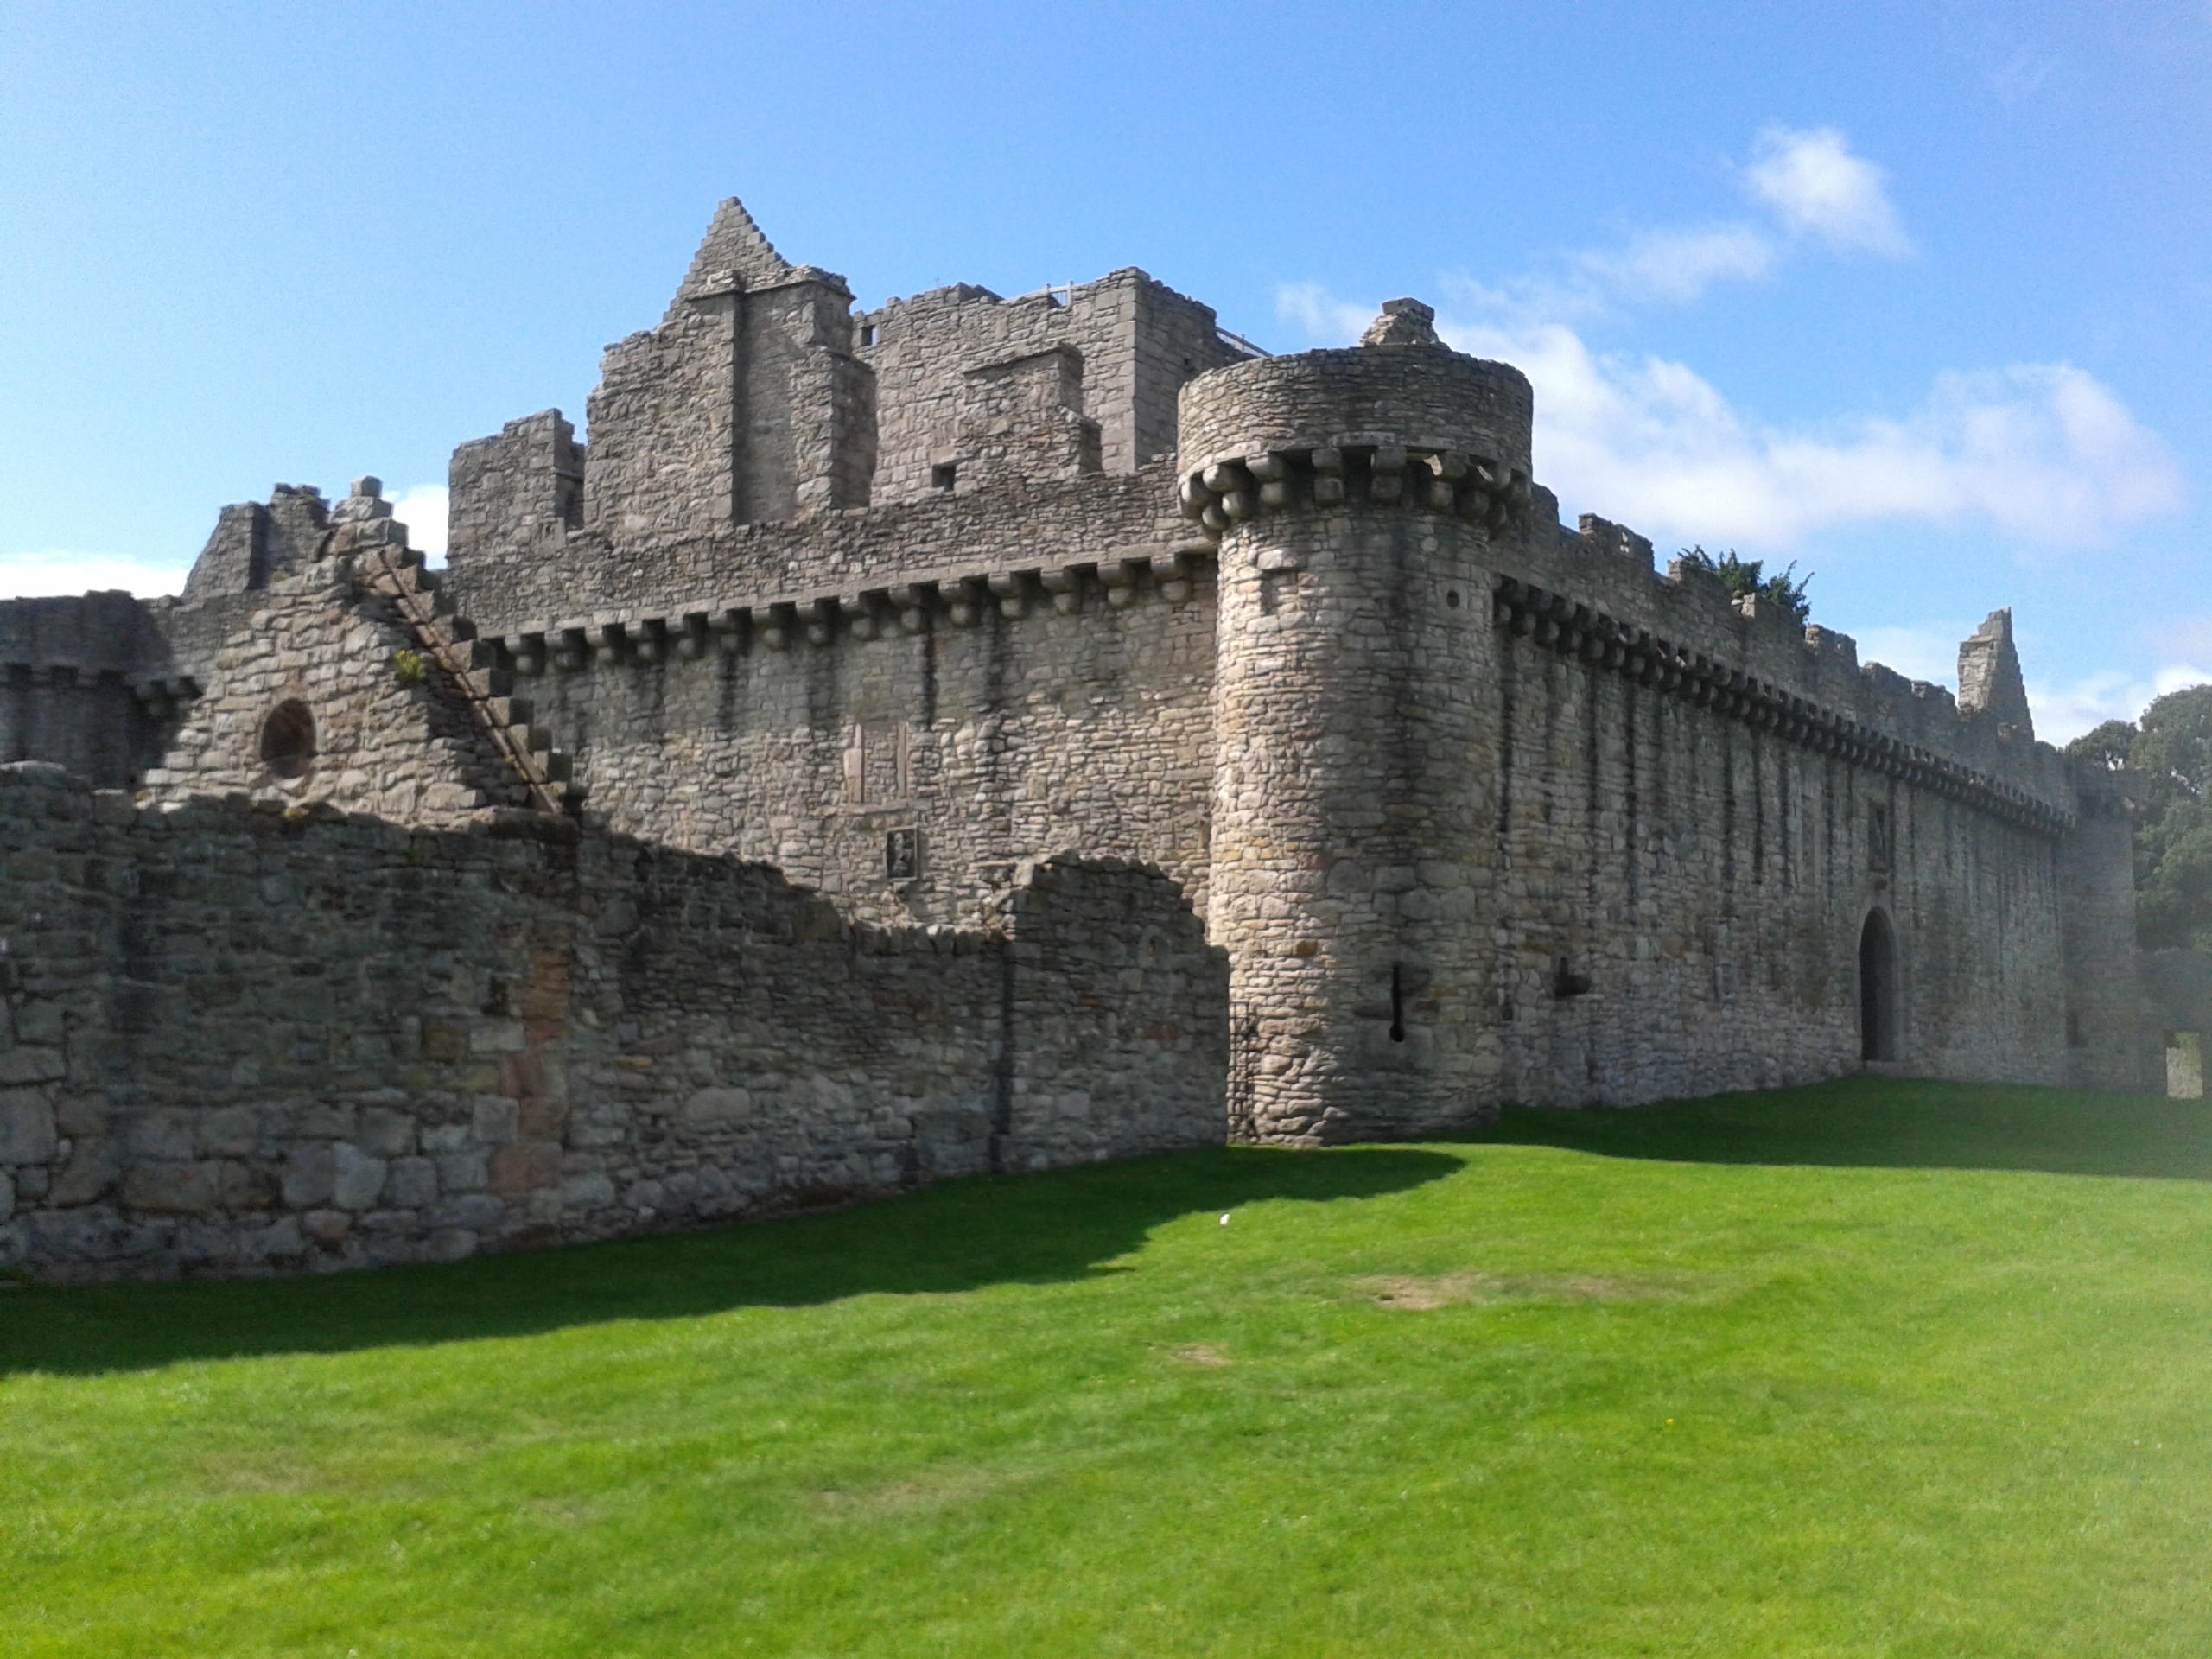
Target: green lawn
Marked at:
1872, 1368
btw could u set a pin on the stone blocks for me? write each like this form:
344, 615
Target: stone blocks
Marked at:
512, 1070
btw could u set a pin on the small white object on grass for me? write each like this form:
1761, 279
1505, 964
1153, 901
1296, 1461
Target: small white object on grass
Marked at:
1224, 1221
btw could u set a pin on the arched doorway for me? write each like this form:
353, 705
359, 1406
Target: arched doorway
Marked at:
1878, 989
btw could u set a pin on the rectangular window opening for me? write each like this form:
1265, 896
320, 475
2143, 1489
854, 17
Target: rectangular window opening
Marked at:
2184, 1065
902, 855
941, 476
1878, 853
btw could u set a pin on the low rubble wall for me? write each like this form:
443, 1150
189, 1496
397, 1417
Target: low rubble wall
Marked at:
238, 1041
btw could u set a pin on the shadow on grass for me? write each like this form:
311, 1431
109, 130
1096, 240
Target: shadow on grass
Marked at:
1890, 1123
961, 1236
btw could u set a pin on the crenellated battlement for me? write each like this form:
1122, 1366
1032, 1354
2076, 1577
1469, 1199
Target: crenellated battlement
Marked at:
1556, 623
958, 599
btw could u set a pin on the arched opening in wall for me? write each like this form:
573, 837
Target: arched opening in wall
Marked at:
288, 740
1878, 989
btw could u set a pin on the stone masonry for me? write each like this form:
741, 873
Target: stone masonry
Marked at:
970, 734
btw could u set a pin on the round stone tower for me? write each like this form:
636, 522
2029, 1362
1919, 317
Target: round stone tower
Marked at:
1357, 494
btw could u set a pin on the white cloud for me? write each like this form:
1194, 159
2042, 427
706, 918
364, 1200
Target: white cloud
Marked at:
1323, 318
2185, 639
422, 508
1818, 187
1927, 653
2045, 453
1678, 266
32, 575
2064, 710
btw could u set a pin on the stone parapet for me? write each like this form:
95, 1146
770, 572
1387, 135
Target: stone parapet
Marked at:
1434, 402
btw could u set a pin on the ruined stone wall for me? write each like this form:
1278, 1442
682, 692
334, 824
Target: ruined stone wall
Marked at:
587, 581
1138, 339
1691, 803
664, 424
745, 406
1009, 722
2111, 1042
83, 684
1699, 803
507, 492
1681, 896
387, 731
239, 1039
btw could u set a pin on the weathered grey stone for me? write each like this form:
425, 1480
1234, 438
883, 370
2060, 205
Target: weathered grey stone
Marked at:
412, 1182
232, 1130
385, 1132
88, 1176
165, 1136
590, 1190
26, 1131
173, 1189
493, 1123
40, 1021
310, 1175
357, 1180
81, 1114
26, 1063
718, 1106
463, 1172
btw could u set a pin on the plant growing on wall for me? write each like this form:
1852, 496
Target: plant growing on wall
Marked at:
2168, 757
1743, 576
407, 667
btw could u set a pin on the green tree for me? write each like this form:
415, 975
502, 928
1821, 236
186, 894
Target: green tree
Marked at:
1742, 576
2168, 757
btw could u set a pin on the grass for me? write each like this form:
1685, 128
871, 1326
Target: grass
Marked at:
1869, 1368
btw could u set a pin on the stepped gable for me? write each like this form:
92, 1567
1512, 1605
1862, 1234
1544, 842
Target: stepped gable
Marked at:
734, 253
352, 686
745, 403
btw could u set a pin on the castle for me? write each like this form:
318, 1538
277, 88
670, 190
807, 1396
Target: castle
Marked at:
973, 735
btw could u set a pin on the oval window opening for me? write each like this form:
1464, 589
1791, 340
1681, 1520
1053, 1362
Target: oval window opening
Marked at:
288, 740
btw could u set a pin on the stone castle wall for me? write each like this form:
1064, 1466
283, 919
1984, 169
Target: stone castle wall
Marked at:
241, 1040
1637, 862
1681, 897
1002, 727
80, 686
1137, 339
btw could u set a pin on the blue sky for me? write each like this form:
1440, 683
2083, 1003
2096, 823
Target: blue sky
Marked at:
1918, 295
